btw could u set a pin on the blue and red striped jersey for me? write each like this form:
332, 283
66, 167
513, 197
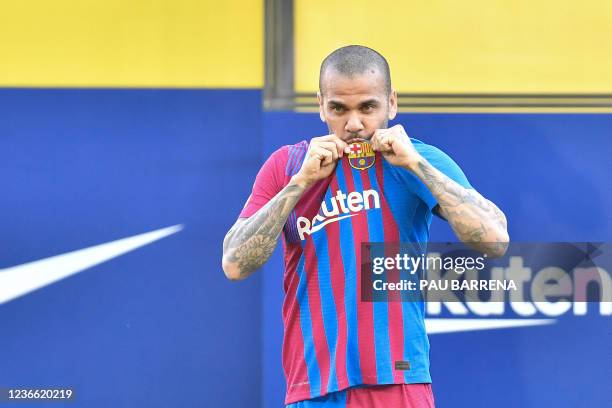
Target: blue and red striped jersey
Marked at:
333, 340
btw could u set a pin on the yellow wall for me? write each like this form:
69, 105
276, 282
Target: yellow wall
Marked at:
131, 43
506, 46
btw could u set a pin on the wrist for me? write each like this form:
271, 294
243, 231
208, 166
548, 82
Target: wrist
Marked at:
412, 164
299, 181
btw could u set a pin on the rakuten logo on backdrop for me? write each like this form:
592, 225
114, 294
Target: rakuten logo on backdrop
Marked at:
550, 291
533, 284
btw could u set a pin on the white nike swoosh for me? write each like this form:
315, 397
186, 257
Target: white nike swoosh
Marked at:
317, 227
22, 279
438, 326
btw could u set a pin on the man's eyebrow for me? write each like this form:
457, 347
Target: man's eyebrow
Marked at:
337, 103
370, 102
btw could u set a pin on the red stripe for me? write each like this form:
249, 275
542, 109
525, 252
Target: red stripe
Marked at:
316, 313
392, 238
308, 207
337, 282
365, 310
294, 363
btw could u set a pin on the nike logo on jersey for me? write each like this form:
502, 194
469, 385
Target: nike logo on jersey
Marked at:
22, 279
340, 206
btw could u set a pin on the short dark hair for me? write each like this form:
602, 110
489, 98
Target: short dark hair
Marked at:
355, 60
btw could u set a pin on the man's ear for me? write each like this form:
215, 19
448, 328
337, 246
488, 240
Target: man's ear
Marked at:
392, 104
320, 99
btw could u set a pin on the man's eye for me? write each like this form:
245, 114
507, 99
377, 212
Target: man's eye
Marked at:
368, 108
337, 109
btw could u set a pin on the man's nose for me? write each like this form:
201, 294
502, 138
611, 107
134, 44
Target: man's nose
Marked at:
354, 124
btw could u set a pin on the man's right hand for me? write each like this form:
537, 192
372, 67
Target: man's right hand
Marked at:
320, 161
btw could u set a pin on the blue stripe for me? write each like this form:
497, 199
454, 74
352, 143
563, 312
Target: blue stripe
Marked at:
291, 233
300, 160
296, 156
296, 159
294, 230
416, 342
381, 308
349, 260
416, 345
291, 161
314, 373
328, 305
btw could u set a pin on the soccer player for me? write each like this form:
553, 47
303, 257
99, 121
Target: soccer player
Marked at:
364, 182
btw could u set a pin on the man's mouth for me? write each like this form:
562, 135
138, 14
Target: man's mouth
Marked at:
354, 139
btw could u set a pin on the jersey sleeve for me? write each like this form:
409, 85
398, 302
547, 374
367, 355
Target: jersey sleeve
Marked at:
441, 161
269, 181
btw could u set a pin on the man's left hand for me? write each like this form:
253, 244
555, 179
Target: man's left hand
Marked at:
395, 146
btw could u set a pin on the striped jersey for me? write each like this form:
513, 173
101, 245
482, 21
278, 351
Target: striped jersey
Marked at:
332, 339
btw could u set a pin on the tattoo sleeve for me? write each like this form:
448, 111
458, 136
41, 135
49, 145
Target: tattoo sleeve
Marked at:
250, 242
476, 221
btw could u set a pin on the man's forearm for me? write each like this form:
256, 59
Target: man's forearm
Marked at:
476, 221
250, 243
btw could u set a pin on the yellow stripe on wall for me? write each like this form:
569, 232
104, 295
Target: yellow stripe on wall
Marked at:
450, 46
132, 43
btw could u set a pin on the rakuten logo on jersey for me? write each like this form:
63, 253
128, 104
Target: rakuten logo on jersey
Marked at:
340, 207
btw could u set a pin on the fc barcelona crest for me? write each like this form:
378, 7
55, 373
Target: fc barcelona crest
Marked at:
361, 155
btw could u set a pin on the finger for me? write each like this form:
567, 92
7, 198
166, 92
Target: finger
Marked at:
386, 143
327, 157
383, 142
399, 129
376, 139
329, 146
324, 155
341, 145
332, 147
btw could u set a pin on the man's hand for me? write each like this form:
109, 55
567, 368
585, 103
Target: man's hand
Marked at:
321, 158
395, 146
251, 241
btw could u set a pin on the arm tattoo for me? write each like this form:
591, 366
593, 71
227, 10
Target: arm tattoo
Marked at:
475, 220
250, 242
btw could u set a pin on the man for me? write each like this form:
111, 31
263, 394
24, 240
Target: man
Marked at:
363, 182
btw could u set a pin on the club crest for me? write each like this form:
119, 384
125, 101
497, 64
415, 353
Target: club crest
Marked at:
361, 155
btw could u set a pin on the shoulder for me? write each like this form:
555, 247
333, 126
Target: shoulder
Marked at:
294, 157
287, 151
428, 151
283, 163
434, 155
442, 161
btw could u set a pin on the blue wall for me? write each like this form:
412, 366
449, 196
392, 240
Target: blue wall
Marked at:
161, 326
